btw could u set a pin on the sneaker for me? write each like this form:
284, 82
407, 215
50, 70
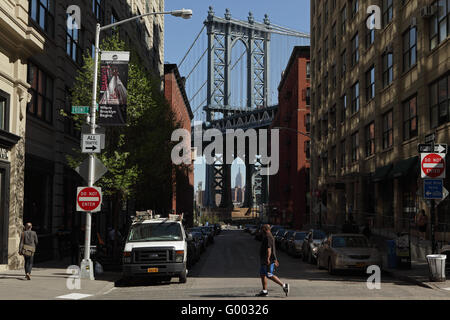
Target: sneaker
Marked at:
28, 276
286, 288
262, 293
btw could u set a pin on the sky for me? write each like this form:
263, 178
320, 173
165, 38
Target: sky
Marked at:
179, 34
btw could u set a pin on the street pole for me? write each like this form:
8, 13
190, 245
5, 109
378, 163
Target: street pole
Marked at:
432, 217
87, 271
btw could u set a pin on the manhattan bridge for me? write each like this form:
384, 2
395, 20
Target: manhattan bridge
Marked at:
232, 70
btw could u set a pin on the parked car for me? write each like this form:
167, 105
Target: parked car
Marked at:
217, 228
275, 228
209, 233
278, 236
295, 243
311, 244
347, 252
193, 251
285, 239
199, 238
205, 233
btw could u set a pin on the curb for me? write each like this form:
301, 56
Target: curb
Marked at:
408, 279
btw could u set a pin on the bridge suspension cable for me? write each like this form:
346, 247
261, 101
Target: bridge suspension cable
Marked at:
192, 45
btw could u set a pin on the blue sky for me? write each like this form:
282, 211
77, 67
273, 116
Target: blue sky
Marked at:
179, 34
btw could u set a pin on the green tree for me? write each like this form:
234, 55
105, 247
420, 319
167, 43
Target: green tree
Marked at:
137, 155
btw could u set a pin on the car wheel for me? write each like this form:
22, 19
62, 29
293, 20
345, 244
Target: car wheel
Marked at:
331, 270
183, 276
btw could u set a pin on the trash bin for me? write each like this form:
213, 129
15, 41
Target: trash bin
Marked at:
392, 254
436, 264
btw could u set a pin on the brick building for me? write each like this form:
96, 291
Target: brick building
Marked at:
183, 186
377, 94
289, 188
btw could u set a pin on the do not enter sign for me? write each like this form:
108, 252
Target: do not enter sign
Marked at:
89, 199
433, 165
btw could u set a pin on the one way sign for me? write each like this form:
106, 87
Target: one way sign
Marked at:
90, 143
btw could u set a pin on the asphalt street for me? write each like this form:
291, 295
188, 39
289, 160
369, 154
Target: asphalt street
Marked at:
229, 269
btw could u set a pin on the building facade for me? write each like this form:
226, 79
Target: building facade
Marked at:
376, 95
50, 184
288, 196
183, 175
18, 41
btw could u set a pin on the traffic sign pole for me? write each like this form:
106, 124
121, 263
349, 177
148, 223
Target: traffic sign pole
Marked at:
432, 216
87, 269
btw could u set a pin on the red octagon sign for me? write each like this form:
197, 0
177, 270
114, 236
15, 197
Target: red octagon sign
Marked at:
433, 165
89, 199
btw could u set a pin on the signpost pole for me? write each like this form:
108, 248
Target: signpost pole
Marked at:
432, 217
87, 270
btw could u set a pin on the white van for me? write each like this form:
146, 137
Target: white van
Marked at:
156, 247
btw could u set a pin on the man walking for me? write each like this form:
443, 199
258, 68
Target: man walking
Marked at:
29, 241
269, 261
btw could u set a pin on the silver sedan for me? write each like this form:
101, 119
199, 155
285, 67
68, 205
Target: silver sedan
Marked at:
347, 252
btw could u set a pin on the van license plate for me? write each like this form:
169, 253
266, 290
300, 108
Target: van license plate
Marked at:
152, 270
360, 265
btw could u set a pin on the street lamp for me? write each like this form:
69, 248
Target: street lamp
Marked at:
86, 263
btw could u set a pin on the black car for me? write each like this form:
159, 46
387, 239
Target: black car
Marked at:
193, 251
278, 236
206, 235
200, 239
285, 239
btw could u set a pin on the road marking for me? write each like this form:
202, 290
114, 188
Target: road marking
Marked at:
109, 290
74, 296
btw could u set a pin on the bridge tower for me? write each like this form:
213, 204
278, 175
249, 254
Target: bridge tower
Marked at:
223, 34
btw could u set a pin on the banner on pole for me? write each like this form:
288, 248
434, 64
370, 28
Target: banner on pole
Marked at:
113, 88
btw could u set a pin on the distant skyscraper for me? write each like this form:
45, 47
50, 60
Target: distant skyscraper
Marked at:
238, 183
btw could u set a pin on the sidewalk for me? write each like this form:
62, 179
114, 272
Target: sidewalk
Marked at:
50, 281
419, 273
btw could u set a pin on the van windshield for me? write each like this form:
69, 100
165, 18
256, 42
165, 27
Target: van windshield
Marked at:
165, 231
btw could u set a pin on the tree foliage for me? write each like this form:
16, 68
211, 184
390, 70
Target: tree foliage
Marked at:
137, 155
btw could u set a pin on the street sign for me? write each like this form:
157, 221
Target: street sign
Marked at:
89, 199
428, 148
91, 143
82, 109
99, 170
433, 189
433, 165
445, 194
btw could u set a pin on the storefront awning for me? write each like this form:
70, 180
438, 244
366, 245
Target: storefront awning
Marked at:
381, 173
404, 167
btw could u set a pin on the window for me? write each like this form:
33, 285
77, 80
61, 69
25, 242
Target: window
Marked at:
370, 36
308, 96
333, 160
409, 48
325, 86
355, 146
333, 117
325, 52
333, 36
43, 13
388, 69
343, 108
370, 139
308, 149
344, 20
355, 50
388, 131
73, 45
355, 7
343, 64
114, 19
308, 70
98, 10
4, 111
370, 84
41, 104
388, 11
355, 97
410, 122
343, 155
333, 76
308, 123
440, 24
440, 101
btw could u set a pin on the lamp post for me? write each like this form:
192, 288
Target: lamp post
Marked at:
86, 263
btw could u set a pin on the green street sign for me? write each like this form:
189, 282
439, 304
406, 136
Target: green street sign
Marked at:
82, 109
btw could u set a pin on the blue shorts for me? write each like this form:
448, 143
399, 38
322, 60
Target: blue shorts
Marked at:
267, 270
